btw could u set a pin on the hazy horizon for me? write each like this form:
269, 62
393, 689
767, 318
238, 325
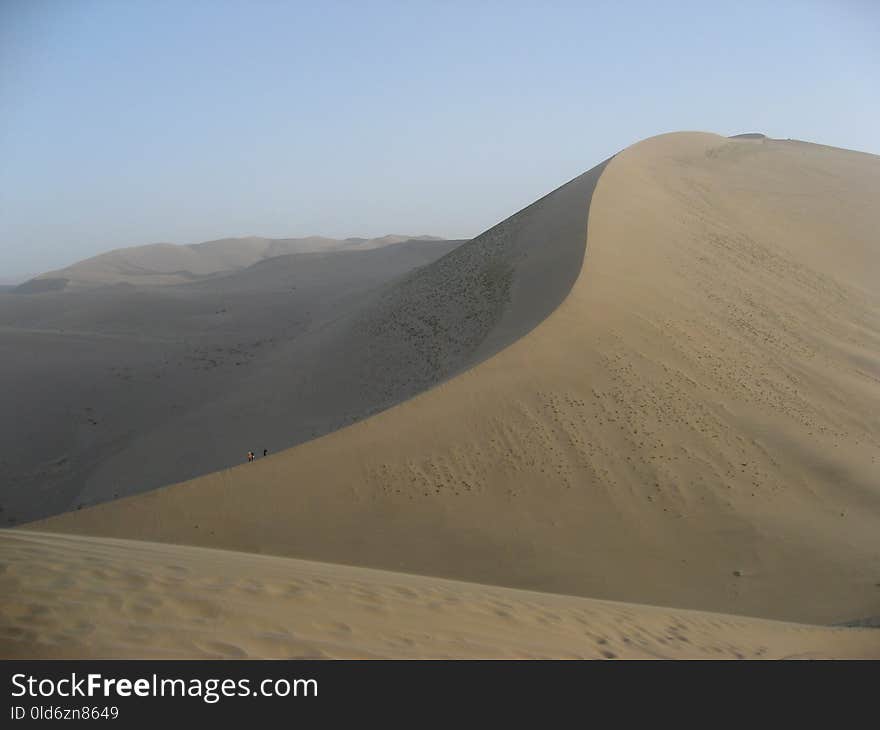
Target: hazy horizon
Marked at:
7, 280
125, 125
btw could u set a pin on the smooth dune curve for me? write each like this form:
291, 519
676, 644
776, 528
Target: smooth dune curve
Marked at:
695, 425
291, 348
82, 597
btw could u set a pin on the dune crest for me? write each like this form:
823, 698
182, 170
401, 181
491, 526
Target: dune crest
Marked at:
695, 424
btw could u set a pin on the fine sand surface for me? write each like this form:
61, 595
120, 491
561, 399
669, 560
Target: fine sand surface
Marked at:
696, 424
86, 597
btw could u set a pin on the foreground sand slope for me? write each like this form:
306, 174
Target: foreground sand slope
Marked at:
696, 425
96, 597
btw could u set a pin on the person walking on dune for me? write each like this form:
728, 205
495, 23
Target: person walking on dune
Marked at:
265, 452
251, 456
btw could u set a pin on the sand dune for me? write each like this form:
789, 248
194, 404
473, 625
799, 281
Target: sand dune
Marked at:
289, 349
695, 425
88, 597
97, 371
161, 264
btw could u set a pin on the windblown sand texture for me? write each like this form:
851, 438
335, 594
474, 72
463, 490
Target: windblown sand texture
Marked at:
695, 425
83, 597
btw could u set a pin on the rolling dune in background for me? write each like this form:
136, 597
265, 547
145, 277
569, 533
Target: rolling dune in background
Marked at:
164, 264
695, 425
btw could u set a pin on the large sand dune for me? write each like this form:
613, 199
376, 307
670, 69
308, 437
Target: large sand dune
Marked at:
695, 425
81, 597
161, 384
98, 371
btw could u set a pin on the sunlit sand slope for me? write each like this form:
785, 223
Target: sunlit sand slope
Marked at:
86, 597
695, 425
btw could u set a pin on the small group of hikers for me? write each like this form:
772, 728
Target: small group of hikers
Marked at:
251, 456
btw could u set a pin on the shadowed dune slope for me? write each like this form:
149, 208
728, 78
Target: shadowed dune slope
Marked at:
122, 389
289, 349
102, 598
695, 425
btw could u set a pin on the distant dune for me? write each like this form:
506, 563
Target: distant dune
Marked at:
160, 264
81, 597
695, 424
13, 281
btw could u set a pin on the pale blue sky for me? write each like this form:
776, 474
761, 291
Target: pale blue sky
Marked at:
124, 123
